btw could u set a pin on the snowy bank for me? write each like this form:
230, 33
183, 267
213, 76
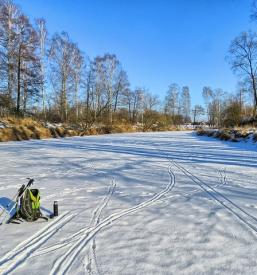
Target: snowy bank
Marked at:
18, 129
234, 135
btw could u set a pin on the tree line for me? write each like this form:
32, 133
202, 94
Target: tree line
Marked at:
239, 107
51, 78
222, 108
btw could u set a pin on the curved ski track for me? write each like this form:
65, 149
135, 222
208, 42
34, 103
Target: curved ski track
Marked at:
95, 217
246, 218
62, 265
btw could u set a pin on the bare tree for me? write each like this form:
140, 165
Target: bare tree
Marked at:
151, 101
172, 100
61, 57
106, 68
197, 111
207, 96
243, 59
42, 35
137, 103
9, 14
77, 73
185, 103
242, 94
214, 101
26, 61
127, 101
88, 83
91, 92
121, 85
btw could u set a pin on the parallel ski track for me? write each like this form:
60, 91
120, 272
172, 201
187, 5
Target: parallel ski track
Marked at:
100, 208
246, 218
62, 264
167, 157
95, 221
95, 216
21, 252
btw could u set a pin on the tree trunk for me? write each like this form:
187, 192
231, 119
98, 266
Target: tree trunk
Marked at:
10, 68
110, 105
25, 95
76, 99
194, 116
63, 102
254, 92
255, 97
88, 96
10, 78
116, 101
19, 83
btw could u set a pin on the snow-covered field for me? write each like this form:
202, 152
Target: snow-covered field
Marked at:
145, 203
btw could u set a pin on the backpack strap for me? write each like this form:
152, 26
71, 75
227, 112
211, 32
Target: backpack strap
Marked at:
35, 200
43, 217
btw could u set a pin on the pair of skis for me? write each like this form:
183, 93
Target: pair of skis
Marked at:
17, 197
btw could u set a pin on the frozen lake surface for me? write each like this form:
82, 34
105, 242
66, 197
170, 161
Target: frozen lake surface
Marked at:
141, 203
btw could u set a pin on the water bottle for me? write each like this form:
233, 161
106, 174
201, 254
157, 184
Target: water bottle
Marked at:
55, 208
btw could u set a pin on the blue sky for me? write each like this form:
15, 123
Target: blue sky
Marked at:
158, 41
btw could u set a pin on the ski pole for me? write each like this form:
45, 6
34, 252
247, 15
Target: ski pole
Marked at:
19, 194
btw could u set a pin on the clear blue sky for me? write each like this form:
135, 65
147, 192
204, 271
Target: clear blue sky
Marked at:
157, 41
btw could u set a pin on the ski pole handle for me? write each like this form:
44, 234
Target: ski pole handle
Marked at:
31, 181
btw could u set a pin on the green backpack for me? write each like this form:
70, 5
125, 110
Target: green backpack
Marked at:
30, 205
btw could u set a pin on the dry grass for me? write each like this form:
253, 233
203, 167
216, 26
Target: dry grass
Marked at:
23, 129
18, 133
27, 128
7, 135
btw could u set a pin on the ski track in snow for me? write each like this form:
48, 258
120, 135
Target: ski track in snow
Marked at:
68, 240
62, 265
25, 250
244, 217
94, 221
20, 253
211, 180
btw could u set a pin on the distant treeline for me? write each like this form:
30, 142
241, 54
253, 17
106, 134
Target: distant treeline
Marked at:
50, 78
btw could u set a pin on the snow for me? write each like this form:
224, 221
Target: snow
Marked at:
141, 203
3, 125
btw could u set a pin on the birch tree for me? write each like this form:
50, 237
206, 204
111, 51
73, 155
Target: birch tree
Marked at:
185, 103
42, 36
243, 60
9, 14
61, 58
77, 60
207, 94
26, 61
172, 100
106, 67
197, 111
121, 85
